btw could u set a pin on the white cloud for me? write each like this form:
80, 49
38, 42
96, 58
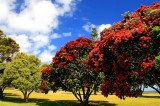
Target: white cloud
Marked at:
88, 27
67, 34
36, 52
52, 47
23, 41
102, 27
32, 24
46, 56
55, 36
39, 41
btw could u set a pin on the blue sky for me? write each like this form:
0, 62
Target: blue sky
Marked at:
42, 27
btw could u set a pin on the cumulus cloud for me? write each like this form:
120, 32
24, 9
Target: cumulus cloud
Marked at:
102, 27
52, 47
23, 41
31, 23
46, 56
88, 27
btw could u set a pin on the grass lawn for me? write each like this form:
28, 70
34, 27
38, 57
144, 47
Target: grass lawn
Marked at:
14, 97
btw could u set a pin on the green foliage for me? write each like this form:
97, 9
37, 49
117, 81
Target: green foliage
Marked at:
157, 61
8, 47
23, 72
156, 31
2, 66
94, 34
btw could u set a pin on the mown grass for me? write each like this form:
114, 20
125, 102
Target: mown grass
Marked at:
14, 97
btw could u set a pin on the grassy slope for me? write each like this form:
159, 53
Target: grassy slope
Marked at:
15, 98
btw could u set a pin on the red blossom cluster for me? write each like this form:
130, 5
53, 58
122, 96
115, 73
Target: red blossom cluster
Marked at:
44, 86
71, 51
126, 51
45, 70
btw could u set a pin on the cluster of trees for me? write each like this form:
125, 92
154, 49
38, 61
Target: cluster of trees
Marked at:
18, 69
125, 57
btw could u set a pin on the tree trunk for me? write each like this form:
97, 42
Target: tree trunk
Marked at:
95, 92
86, 102
1, 93
26, 98
143, 89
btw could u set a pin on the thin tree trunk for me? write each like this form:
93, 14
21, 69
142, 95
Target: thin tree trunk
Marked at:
143, 88
95, 92
26, 97
1, 93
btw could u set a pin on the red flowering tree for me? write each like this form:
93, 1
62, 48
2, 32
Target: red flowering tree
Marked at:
127, 51
69, 71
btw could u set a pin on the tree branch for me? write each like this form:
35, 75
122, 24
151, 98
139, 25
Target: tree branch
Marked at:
76, 96
30, 92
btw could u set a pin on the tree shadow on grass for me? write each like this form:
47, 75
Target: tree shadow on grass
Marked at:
9, 97
158, 97
11, 94
74, 103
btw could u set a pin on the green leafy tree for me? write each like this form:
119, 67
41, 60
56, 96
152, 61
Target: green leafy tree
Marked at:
94, 34
8, 47
24, 73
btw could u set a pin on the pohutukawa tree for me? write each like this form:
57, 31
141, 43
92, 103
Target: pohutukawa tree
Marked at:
69, 71
127, 51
